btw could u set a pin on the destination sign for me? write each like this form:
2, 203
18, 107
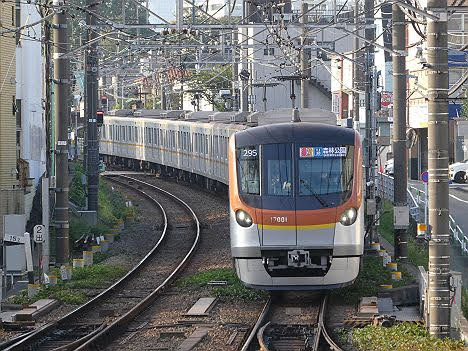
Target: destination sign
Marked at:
322, 152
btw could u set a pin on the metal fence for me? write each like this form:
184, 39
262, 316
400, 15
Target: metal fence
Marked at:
417, 203
385, 189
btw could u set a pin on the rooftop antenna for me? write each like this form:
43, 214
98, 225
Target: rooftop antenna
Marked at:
295, 115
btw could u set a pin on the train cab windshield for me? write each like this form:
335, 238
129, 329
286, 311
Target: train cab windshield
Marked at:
315, 176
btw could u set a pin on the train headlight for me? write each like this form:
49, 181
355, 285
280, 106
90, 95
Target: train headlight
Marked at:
349, 216
243, 218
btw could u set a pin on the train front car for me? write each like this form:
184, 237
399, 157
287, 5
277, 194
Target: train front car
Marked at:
296, 208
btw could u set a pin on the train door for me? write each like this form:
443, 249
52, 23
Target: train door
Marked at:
318, 184
278, 202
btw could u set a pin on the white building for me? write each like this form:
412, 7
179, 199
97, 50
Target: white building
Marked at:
31, 138
266, 63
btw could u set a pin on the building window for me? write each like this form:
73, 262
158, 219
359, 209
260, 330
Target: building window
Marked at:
18, 21
269, 52
18, 113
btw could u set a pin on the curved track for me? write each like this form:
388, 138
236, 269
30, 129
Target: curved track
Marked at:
277, 330
94, 324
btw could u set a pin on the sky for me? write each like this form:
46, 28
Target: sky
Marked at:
164, 8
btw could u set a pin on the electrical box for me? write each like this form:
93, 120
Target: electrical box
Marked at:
371, 207
53, 182
14, 225
383, 138
401, 217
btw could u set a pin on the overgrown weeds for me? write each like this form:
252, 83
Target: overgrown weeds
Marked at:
372, 275
417, 251
233, 288
401, 337
74, 291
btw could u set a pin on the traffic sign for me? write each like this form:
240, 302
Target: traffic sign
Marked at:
39, 233
425, 176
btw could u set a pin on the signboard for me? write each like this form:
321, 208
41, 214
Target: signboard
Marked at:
386, 98
38, 233
425, 176
14, 239
322, 152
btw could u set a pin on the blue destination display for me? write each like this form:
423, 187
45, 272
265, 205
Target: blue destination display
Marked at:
322, 152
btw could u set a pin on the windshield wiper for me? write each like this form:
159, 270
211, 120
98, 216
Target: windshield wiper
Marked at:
319, 199
347, 190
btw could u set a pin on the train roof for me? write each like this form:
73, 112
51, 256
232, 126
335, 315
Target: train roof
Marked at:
317, 133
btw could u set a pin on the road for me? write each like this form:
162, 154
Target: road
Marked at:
458, 203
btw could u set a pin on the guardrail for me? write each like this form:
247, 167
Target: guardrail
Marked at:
417, 203
385, 189
458, 237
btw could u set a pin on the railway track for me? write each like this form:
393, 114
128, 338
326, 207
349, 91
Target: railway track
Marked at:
291, 325
95, 324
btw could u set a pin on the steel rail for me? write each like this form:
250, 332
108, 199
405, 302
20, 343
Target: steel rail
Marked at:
103, 337
256, 327
47, 329
323, 329
260, 327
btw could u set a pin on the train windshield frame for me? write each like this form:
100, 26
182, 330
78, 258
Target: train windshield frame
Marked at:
325, 174
316, 176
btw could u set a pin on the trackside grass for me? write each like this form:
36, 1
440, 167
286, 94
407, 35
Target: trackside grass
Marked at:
372, 275
74, 291
233, 288
401, 337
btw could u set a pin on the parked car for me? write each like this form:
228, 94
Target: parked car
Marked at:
459, 171
388, 168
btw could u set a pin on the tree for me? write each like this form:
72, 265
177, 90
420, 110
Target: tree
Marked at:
210, 82
465, 107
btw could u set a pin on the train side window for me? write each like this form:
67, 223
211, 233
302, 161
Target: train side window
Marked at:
248, 168
277, 168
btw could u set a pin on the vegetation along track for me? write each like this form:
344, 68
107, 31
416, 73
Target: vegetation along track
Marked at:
295, 322
93, 325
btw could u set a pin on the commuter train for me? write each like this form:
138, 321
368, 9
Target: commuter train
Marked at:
295, 189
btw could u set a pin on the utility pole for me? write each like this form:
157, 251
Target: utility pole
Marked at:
399, 126
304, 60
244, 92
235, 71
370, 136
91, 110
356, 71
163, 97
437, 105
61, 94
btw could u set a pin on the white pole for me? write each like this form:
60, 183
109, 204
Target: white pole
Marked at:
180, 14
29, 258
426, 206
45, 221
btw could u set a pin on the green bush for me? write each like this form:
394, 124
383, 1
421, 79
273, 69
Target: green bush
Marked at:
465, 302
372, 275
418, 253
78, 227
401, 337
77, 192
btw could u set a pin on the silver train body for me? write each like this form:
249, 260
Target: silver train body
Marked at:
201, 148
